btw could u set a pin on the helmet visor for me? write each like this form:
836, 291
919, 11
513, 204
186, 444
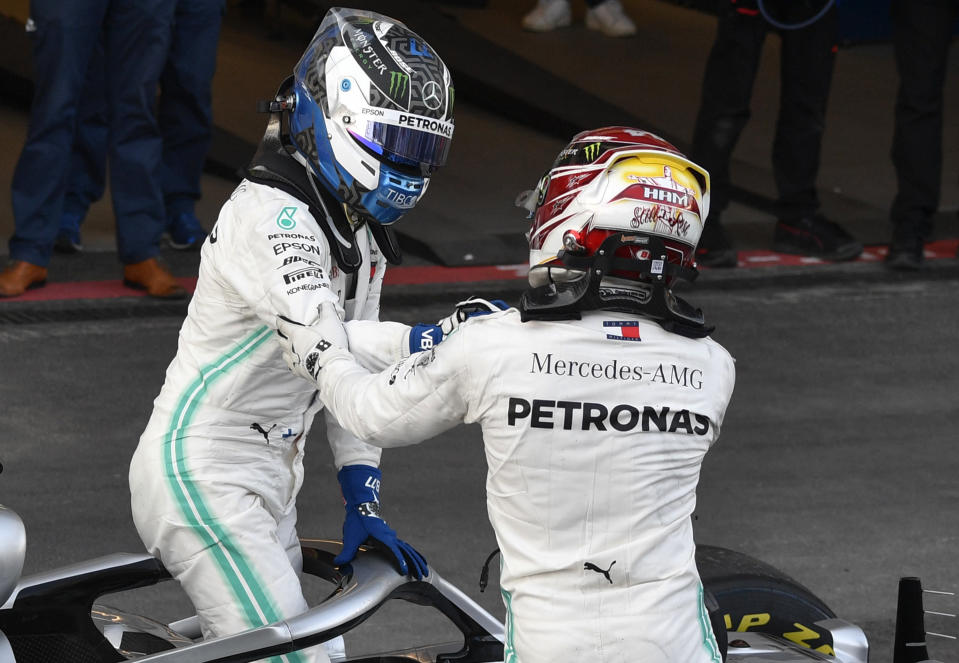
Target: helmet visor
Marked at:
404, 138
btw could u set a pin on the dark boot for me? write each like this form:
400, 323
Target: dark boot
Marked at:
815, 236
905, 249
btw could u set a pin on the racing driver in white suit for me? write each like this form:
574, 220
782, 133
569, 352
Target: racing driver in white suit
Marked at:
598, 400
350, 145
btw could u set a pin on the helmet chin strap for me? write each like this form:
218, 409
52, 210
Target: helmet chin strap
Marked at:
598, 289
311, 178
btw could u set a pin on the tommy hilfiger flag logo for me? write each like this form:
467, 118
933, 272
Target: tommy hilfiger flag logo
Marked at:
628, 330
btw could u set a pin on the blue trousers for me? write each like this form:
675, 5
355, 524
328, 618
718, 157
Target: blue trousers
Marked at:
134, 36
185, 115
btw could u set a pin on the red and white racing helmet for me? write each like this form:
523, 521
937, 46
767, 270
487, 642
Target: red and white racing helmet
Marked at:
627, 199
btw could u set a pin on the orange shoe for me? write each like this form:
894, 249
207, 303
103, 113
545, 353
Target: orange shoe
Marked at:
153, 277
19, 276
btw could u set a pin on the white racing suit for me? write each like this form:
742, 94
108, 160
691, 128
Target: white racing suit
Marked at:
216, 473
594, 431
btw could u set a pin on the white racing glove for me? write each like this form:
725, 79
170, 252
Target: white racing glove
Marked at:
467, 309
307, 347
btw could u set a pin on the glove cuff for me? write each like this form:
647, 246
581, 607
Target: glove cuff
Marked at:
319, 356
424, 337
360, 484
370, 509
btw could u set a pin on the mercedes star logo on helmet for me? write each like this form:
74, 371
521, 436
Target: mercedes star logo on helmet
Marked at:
431, 95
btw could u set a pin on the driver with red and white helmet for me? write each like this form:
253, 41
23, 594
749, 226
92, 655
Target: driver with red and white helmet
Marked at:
598, 400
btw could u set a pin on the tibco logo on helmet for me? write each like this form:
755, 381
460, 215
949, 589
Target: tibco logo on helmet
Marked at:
616, 221
374, 142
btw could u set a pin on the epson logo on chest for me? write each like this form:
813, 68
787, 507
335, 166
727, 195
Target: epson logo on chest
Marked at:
283, 247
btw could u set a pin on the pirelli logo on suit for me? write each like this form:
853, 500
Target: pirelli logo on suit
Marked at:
302, 273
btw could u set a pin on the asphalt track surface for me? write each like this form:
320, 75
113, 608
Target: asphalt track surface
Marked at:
837, 462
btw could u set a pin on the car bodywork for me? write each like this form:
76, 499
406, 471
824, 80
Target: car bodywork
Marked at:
55, 615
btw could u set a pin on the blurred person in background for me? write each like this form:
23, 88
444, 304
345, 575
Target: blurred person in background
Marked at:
922, 32
809, 32
135, 38
185, 118
606, 16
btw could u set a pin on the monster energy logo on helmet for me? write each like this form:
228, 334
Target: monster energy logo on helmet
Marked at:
404, 71
398, 83
378, 62
591, 151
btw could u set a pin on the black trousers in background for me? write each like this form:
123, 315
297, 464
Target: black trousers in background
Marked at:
806, 66
922, 32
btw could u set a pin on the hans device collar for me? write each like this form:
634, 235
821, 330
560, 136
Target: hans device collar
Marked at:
650, 297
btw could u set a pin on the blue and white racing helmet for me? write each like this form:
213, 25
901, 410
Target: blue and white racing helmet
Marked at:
373, 112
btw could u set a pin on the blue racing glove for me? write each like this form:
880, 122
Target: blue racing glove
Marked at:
426, 337
361, 491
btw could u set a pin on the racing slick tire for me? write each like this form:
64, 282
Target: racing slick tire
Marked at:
754, 596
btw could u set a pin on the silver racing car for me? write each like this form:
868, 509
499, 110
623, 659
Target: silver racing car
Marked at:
759, 614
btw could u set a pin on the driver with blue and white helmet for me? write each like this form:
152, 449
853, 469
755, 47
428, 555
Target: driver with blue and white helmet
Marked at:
373, 113
352, 140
